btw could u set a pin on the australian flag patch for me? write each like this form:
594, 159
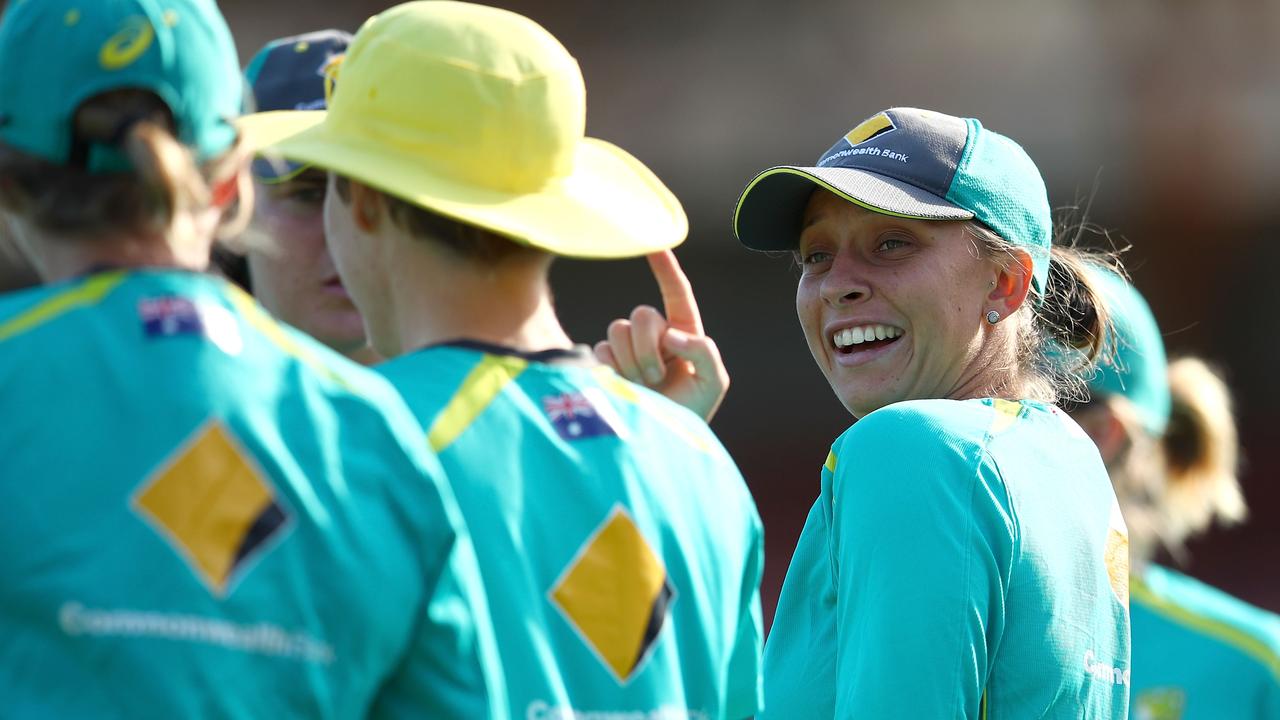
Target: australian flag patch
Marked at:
169, 316
576, 417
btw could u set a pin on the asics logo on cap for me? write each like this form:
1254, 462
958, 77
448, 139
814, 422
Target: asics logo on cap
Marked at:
127, 45
872, 127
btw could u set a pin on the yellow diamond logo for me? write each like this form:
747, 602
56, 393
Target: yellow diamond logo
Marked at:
874, 126
1116, 556
616, 594
210, 502
1164, 703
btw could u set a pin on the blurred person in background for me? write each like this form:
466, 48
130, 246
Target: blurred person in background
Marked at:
283, 260
619, 544
1167, 435
966, 556
15, 272
207, 513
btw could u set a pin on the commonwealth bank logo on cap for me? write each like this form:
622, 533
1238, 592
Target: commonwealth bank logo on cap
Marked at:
478, 114
909, 163
870, 128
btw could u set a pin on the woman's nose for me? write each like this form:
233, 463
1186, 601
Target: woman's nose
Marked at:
846, 281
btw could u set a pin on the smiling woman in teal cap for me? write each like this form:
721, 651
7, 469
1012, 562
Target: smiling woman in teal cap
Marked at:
207, 514
965, 556
1166, 432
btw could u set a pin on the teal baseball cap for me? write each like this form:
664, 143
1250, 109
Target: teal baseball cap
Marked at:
56, 54
910, 163
1135, 364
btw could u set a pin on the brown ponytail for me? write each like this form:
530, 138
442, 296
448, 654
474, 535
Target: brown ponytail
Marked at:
166, 170
68, 201
1200, 448
1073, 309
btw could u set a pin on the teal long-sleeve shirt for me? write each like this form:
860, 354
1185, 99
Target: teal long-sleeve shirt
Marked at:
963, 560
1201, 654
207, 514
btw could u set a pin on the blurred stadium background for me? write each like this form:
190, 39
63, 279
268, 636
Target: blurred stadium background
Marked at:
1163, 118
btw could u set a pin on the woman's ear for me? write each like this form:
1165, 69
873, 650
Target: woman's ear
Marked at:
367, 207
1012, 283
1105, 428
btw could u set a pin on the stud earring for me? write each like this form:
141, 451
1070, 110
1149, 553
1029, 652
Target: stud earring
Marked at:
993, 317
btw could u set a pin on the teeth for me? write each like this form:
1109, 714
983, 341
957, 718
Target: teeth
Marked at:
864, 333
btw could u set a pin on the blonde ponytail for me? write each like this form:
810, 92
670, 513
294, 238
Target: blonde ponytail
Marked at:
1201, 452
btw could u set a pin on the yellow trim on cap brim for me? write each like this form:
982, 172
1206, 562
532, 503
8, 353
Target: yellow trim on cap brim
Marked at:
611, 206
790, 170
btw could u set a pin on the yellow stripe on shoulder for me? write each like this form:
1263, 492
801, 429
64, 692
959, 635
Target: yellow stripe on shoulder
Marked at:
484, 383
1229, 634
1007, 413
830, 464
624, 390
90, 292
261, 321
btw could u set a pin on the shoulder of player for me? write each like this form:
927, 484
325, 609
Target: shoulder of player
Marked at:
917, 426
1211, 613
28, 309
666, 413
15, 303
921, 452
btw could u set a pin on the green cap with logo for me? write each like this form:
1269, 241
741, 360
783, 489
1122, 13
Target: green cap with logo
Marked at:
910, 163
56, 54
1135, 365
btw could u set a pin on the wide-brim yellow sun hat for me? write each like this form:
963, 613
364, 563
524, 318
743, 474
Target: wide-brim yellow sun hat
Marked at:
478, 113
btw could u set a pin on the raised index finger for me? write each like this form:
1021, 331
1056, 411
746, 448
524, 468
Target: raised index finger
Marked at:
678, 302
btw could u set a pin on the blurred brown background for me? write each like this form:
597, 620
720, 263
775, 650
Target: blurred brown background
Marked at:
1165, 114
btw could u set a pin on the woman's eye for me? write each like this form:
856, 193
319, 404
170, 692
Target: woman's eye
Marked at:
891, 243
814, 258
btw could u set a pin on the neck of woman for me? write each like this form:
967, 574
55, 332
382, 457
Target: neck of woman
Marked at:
61, 258
510, 304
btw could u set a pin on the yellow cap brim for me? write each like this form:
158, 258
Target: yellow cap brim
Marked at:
610, 206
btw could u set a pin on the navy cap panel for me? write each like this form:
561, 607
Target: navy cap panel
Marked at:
290, 76
919, 147
769, 213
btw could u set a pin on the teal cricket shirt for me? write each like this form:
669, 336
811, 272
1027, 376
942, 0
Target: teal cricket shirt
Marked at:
1201, 654
207, 514
620, 548
963, 560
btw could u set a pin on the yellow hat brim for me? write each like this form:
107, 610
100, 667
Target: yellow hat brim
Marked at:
610, 206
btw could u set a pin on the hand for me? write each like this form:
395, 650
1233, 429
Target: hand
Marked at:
669, 354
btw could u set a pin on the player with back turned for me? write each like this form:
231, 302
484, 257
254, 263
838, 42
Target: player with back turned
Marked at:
207, 514
1166, 431
618, 543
